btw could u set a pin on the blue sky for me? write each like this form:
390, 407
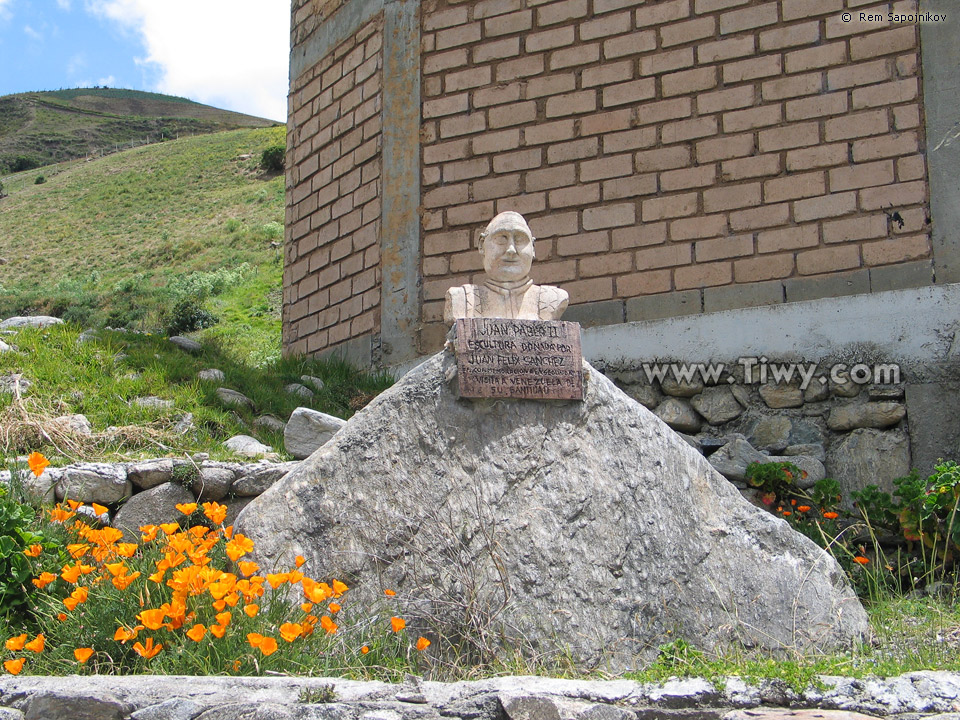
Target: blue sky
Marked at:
231, 54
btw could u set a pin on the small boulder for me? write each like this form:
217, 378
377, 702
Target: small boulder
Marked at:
717, 405
732, 459
771, 432
270, 423
847, 388
869, 457
247, 446
816, 391
814, 450
74, 424
646, 395
314, 382
679, 415
815, 472
299, 390
308, 430
778, 396
683, 389
4, 347
94, 482
234, 398
32, 321
259, 478
186, 344
151, 507
211, 375
865, 415
213, 483
152, 401
13, 383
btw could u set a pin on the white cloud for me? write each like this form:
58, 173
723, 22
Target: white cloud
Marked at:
76, 64
109, 81
229, 53
64, 4
31, 33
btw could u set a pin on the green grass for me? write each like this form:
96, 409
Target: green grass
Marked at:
101, 378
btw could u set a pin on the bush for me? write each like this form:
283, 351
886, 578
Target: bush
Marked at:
189, 315
40, 180
22, 163
272, 159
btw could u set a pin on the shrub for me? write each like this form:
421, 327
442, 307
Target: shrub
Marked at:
189, 315
22, 163
40, 180
272, 159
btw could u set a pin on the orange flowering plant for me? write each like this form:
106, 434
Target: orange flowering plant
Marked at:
184, 598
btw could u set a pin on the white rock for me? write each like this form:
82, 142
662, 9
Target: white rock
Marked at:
187, 344
308, 430
247, 446
35, 321
211, 375
94, 482
232, 397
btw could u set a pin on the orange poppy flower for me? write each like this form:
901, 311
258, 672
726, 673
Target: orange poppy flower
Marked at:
83, 654
299, 561
290, 631
327, 624
37, 644
126, 550
74, 504
124, 581
238, 547
215, 512
37, 463
123, 634
306, 607
169, 528
803, 508
422, 644
14, 666
147, 651
334, 608
268, 646
15, 644
186, 508
60, 515
224, 618
99, 509
339, 588
33, 550
218, 631
831, 515
364, 650
149, 532
247, 567
44, 579
397, 624
152, 619
61, 616
277, 579
197, 632
252, 609
255, 639
861, 560
389, 593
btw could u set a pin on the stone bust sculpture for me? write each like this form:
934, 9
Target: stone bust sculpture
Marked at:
506, 246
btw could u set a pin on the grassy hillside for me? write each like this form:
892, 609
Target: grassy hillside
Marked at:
124, 239
42, 128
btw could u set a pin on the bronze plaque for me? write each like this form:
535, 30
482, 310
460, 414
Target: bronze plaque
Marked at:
530, 359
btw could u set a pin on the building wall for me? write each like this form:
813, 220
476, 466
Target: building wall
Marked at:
675, 157
331, 284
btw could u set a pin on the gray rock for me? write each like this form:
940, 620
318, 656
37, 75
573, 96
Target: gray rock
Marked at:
44, 487
213, 484
314, 382
885, 392
152, 401
299, 390
234, 507
232, 397
805, 431
308, 430
63, 704
685, 389
732, 459
4, 347
151, 507
258, 480
848, 389
13, 383
409, 492
692, 441
74, 424
150, 473
185, 343
742, 394
679, 415
211, 375
87, 510
771, 432
172, 709
7, 713
88, 335
865, 415
250, 711
247, 446
184, 424
814, 450
717, 405
94, 482
646, 395
814, 469
270, 423
778, 396
816, 391
33, 321
869, 457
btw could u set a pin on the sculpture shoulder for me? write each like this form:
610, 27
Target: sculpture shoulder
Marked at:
458, 303
553, 302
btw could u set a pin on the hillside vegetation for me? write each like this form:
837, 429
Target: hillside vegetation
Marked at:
43, 128
151, 237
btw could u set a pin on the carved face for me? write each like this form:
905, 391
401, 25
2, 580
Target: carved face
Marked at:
507, 248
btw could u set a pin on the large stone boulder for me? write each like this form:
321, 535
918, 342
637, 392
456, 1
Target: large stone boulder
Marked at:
307, 430
583, 526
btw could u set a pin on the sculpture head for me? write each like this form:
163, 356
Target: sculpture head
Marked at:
506, 246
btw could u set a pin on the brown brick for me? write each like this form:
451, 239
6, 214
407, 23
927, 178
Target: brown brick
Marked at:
859, 176
663, 12
629, 92
819, 156
562, 11
629, 140
896, 250
446, 105
549, 39
856, 125
706, 6
750, 167
883, 43
583, 243
607, 122
512, 162
577, 195
643, 283
681, 130
656, 112
731, 197
607, 264
496, 95
790, 87
572, 103
906, 116
832, 205
794, 186
702, 275
513, 114
489, 8
436, 62
499, 49
669, 206
443, 152
663, 159
607, 25
462, 125
731, 99
686, 178
436, 265
635, 42
445, 18
760, 217
495, 187
508, 24
447, 242
830, 259
609, 216
790, 36
721, 248
521, 67
818, 106
687, 81
884, 94
880, 147
579, 55
862, 227
911, 168
554, 272
791, 238
549, 132
815, 57
590, 290
574, 150
725, 147
791, 136
727, 49
896, 195
496, 141
639, 235
608, 167
607, 74
768, 267
687, 32
914, 219
663, 62
751, 69
470, 214
748, 18
861, 74
739, 120
461, 35
632, 186
559, 176
671, 255
907, 64
703, 226
796, 9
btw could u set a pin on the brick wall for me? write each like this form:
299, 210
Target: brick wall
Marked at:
331, 282
675, 156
